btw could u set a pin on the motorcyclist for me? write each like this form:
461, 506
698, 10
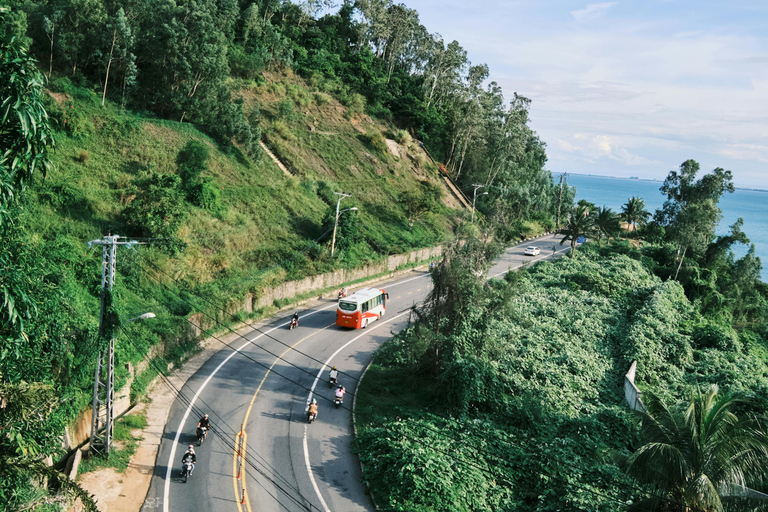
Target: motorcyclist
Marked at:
340, 392
333, 375
343, 291
204, 423
295, 319
190, 456
312, 409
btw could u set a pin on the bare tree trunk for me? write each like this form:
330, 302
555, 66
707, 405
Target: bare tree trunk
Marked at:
681, 262
50, 62
109, 64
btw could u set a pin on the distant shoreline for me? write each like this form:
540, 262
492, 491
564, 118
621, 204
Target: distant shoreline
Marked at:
634, 178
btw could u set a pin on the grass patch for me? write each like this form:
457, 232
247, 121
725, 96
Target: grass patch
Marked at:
124, 446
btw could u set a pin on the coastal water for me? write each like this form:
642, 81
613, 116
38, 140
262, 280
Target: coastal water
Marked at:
750, 205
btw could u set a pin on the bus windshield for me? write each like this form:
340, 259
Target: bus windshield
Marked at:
348, 306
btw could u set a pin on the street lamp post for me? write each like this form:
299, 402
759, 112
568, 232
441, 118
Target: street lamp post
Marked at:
338, 213
474, 198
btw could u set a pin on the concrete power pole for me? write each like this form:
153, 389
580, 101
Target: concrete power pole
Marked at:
102, 415
336, 219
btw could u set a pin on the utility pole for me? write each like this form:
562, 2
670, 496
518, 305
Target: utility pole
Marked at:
102, 415
474, 197
336, 220
559, 200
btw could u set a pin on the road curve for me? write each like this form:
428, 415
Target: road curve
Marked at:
261, 455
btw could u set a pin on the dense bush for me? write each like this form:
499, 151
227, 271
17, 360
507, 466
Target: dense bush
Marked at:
538, 360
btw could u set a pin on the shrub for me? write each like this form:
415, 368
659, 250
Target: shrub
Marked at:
355, 104
285, 109
316, 80
83, 157
402, 137
283, 131
376, 141
158, 208
76, 123
322, 98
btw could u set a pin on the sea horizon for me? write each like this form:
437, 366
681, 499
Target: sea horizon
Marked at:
634, 178
745, 203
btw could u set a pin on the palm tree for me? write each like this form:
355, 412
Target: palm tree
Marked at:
697, 455
634, 213
580, 223
606, 222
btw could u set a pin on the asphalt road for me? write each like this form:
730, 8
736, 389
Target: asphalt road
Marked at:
261, 454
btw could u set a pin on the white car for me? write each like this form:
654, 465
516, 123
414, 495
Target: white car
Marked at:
532, 251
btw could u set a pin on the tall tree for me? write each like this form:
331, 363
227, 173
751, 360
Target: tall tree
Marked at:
697, 455
119, 39
690, 214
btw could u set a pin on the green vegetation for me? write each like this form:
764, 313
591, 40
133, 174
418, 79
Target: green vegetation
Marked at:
124, 448
516, 399
701, 453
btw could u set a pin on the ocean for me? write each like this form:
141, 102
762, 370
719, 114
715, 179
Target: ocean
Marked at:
750, 205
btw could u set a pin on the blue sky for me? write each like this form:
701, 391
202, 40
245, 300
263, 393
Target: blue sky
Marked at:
627, 88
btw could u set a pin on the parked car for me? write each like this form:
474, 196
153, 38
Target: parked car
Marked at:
532, 251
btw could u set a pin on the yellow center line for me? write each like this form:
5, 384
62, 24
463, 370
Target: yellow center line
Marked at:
245, 421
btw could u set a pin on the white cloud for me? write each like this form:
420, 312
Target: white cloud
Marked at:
649, 88
595, 147
592, 11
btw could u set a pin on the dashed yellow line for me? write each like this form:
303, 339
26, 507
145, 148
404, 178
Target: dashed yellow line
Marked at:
245, 422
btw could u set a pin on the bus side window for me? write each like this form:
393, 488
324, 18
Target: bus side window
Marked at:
364, 307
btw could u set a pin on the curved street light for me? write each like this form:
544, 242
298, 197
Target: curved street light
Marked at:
336, 222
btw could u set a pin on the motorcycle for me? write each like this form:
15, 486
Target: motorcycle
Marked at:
201, 435
311, 417
332, 381
186, 470
339, 398
294, 323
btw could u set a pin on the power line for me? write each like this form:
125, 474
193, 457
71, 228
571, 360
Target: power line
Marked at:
231, 316
263, 365
438, 432
224, 438
310, 373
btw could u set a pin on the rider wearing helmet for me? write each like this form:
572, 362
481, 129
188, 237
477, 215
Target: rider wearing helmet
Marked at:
312, 409
204, 423
333, 375
189, 454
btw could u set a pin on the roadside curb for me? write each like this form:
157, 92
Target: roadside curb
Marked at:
365, 482
161, 395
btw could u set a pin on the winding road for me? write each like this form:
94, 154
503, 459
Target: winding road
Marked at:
261, 454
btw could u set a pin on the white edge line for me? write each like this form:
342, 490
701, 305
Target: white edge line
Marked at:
312, 390
172, 456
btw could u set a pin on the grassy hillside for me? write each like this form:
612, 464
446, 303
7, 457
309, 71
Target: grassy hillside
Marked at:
258, 227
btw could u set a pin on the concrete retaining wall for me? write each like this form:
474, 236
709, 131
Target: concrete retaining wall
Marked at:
631, 393
80, 430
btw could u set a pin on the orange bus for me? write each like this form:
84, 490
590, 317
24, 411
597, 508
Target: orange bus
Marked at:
361, 308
